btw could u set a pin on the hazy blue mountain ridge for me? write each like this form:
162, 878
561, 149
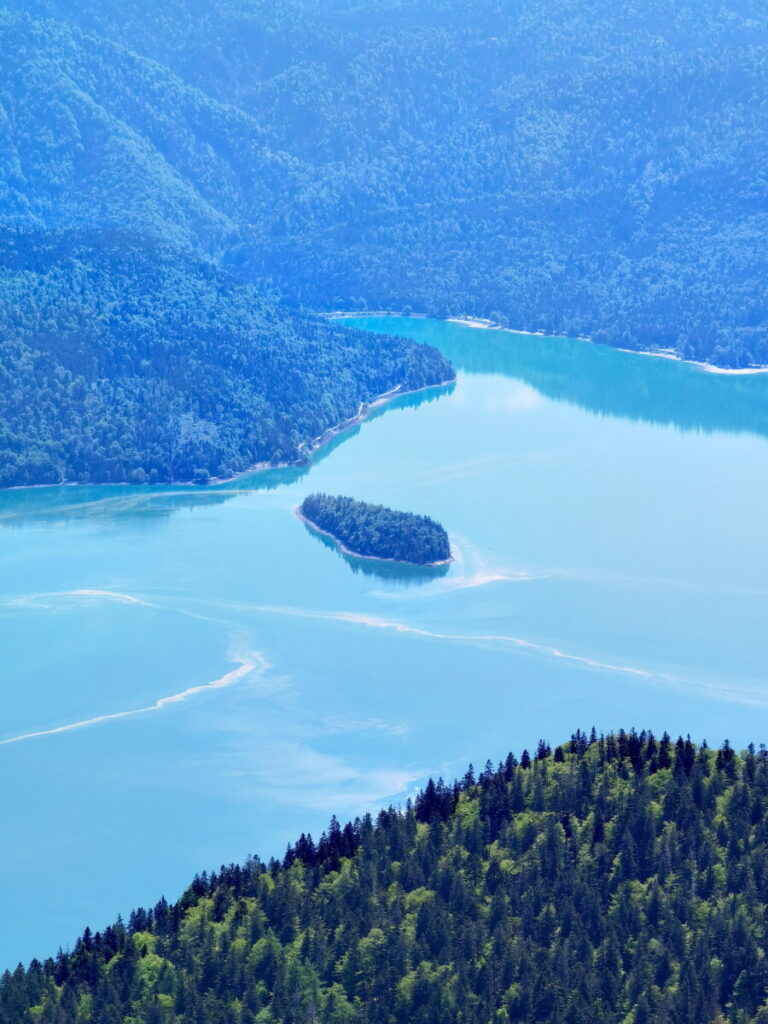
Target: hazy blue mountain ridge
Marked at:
98, 138
126, 353
574, 168
579, 168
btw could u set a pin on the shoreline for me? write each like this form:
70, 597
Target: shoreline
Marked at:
309, 447
481, 323
368, 558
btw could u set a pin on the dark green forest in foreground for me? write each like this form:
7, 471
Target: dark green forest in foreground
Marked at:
575, 166
133, 363
615, 880
375, 531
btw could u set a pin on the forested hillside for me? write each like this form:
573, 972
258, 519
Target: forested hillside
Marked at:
619, 880
125, 361
167, 175
127, 352
577, 166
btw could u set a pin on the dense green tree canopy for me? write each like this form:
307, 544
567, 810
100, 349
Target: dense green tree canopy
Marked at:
619, 880
375, 531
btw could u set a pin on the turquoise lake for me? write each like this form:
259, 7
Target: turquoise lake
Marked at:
607, 512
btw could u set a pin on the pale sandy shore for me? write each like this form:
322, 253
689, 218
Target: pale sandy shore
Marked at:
368, 558
708, 367
366, 408
490, 325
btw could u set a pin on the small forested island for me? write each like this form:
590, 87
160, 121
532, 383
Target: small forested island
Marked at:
374, 531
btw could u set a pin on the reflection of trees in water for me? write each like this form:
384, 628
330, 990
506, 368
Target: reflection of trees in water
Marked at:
393, 572
599, 378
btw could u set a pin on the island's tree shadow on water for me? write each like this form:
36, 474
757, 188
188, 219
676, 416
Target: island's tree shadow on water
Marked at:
400, 573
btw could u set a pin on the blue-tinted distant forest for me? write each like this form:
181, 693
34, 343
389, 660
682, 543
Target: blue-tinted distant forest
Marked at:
575, 166
130, 362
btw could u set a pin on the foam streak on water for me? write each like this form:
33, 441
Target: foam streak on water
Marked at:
247, 664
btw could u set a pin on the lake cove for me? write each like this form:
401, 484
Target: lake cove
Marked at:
188, 676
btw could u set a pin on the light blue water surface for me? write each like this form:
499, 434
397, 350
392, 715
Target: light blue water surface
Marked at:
607, 512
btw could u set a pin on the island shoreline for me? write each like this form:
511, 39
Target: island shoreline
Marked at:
482, 323
367, 558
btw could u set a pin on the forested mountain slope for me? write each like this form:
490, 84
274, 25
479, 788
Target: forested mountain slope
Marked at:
126, 361
576, 166
98, 138
620, 880
127, 353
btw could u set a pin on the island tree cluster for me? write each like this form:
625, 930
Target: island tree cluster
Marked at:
375, 531
615, 880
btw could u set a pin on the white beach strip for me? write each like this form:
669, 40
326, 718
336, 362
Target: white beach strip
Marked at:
490, 325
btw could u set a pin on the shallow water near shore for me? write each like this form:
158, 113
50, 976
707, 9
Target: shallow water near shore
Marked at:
189, 676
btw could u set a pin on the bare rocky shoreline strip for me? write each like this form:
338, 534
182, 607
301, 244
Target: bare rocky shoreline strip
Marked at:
310, 447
